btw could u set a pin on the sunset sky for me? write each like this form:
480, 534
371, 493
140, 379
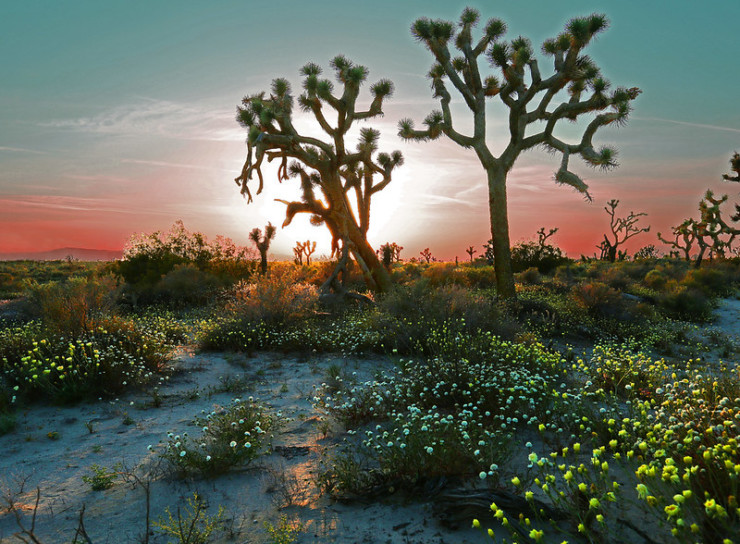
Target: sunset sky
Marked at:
118, 117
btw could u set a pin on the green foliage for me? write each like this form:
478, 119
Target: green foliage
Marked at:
284, 532
230, 437
543, 257
75, 306
192, 524
101, 478
117, 355
441, 418
157, 266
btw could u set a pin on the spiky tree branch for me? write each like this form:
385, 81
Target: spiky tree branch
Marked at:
533, 116
685, 236
330, 174
622, 229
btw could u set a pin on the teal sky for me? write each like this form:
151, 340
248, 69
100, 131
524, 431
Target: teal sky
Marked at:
118, 117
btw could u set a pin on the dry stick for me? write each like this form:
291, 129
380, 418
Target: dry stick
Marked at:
30, 534
81, 532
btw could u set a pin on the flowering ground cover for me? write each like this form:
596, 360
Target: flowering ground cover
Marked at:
570, 415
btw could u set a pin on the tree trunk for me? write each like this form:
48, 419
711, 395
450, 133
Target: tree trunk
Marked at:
498, 208
375, 273
263, 262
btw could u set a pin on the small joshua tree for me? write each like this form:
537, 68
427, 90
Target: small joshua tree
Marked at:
390, 253
263, 244
542, 236
298, 252
622, 229
488, 251
308, 249
471, 251
330, 173
685, 237
426, 254
304, 249
530, 97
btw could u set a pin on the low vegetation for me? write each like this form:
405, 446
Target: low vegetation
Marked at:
589, 408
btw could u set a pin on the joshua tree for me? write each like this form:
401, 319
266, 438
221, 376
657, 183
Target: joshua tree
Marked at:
735, 167
324, 165
309, 248
622, 229
298, 252
471, 251
488, 251
542, 236
426, 255
390, 253
685, 236
263, 244
712, 232
304, 249
529, 98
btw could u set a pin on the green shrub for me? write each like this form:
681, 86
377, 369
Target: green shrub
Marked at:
531, 276
273, 299
683, 302
230, 437
103, 362
75, 306
545, 258
597, 298
186, 285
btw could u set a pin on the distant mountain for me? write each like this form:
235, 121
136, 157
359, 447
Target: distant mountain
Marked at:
77, 253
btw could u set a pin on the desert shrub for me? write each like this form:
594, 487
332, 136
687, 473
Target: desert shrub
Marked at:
655, 279
185, 284
476, 276
597, 298
421, 304
683, 302
710, 281
74, 306
615, 277
439, 418
115, 356
274, 299
438, 273
148, 258
531, 276
545, 258
230, 437
565, 274
647, 252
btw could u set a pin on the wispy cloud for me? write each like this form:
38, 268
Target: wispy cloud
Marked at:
154, 117
687, 123
73, 204
165, 164
21, 150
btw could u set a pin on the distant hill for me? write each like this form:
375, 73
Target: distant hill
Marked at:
77, 253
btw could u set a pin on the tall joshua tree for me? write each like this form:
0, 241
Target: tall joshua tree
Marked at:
263, 244
330, 174
529, 98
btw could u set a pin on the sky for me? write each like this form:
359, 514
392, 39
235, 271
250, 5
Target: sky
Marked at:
118, 118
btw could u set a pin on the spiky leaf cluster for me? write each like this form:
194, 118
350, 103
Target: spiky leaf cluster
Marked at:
518, 83
328, 171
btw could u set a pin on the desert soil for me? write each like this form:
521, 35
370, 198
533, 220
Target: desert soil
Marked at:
52, 448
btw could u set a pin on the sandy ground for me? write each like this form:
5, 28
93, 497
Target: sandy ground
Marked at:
52, 448
278, 484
